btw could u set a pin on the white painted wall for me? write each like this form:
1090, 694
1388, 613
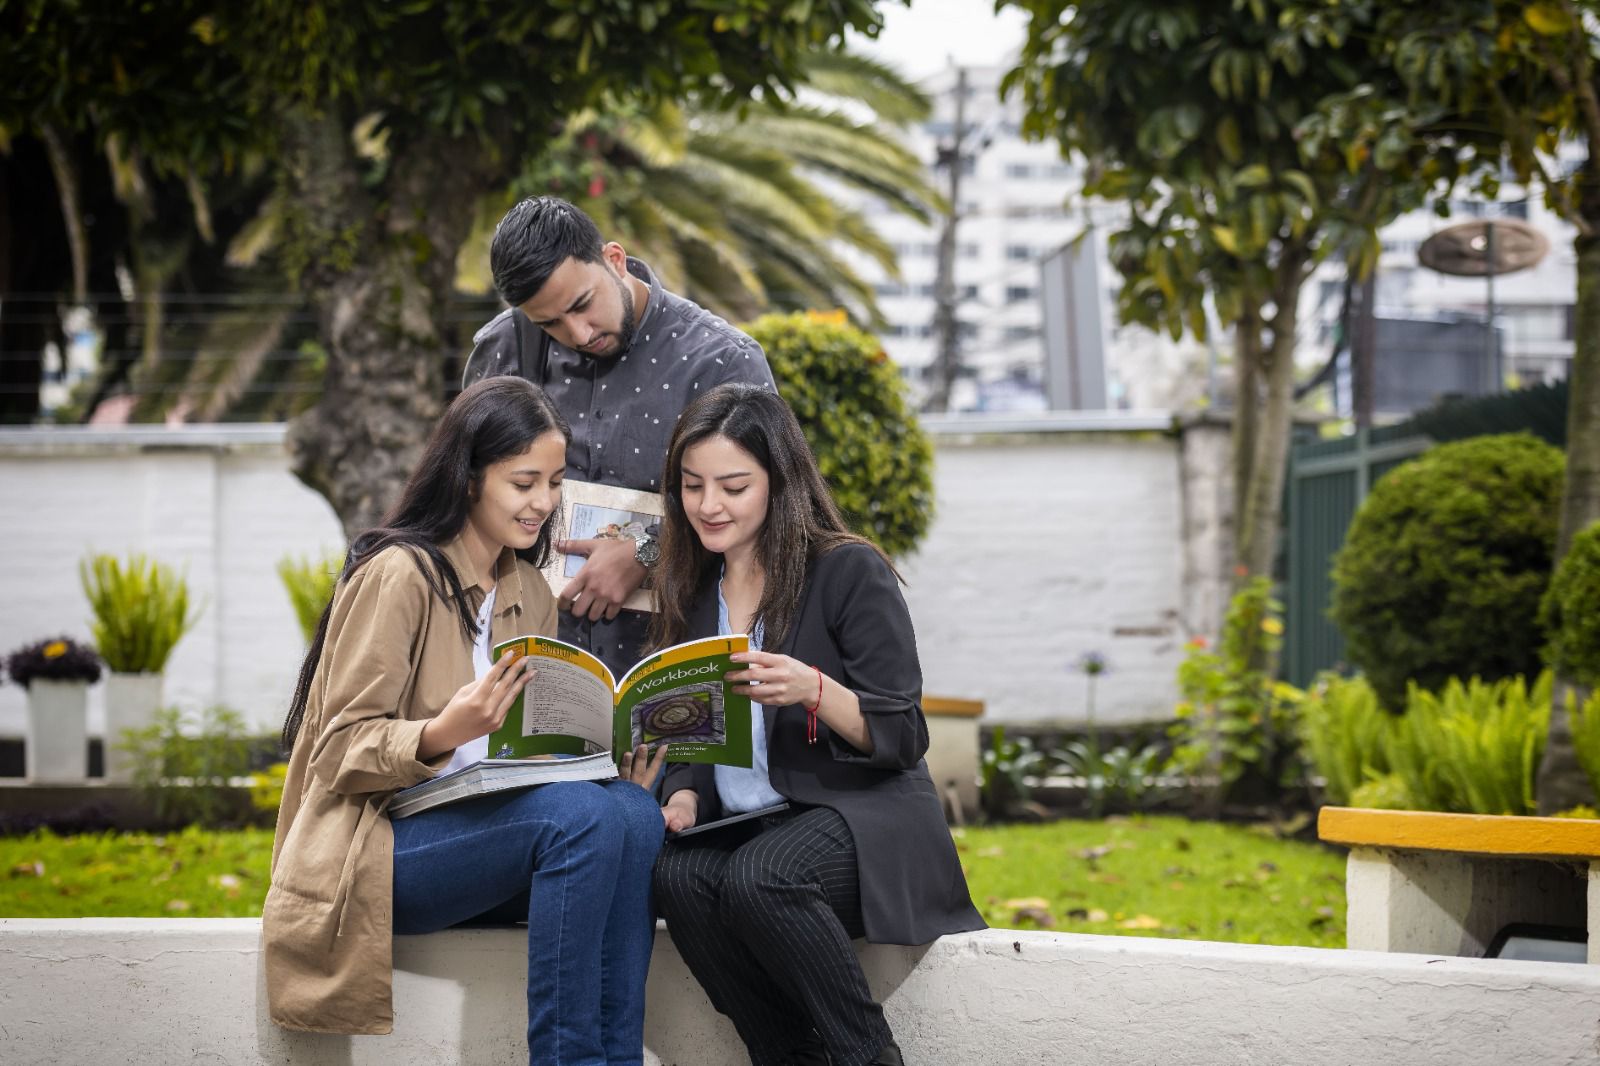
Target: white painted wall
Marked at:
221, 506
1055, 538
144, 991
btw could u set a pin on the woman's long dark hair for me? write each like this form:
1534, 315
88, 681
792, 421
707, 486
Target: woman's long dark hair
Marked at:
492, 420
802, 521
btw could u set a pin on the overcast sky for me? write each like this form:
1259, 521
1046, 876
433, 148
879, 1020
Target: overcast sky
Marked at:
931, 34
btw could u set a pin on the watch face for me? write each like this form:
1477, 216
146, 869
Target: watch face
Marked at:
647, 552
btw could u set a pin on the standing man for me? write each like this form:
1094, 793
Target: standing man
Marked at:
621, 358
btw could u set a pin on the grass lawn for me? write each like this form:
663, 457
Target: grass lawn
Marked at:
188, 874
1155, 876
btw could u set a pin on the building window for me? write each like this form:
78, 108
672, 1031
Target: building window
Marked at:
1019, 252
889, 288
1016, 294
1014, 334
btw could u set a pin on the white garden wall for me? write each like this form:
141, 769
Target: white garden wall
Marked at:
1052, 538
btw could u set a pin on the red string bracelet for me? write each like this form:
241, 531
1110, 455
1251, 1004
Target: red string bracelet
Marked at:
811, 711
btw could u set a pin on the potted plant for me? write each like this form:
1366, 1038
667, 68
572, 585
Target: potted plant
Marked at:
57, 674
141, 611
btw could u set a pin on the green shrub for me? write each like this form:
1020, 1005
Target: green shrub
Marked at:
1571, 611
1473, 748
1344, 735
1008, 767
1234, 718
140, 608
309, 583
1584, 720
1445, 563
1387, 792
188, 777
851, 405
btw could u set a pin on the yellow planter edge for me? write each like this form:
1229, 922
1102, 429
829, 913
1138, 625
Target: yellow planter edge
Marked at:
1477, 834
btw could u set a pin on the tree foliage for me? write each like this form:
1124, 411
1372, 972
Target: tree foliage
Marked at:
383, 124
1571, 611
1445, 564
1207, 119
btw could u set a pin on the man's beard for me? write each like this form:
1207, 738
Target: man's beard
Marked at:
629, 325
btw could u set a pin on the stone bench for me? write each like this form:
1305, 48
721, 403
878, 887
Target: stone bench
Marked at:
145, 991
1446, 883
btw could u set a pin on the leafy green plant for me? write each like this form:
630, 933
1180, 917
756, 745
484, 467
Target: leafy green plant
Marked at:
188, 777
309, 583
140, 608
266, 788
1122, 776
1445, 564
56, 659
851, 404
1233, 717
1344, 735
1583, 716
1473, 748
1570, 612
1007, 767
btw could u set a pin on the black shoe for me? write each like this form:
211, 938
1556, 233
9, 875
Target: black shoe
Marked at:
889, 1056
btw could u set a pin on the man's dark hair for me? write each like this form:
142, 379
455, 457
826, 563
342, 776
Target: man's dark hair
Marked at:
535, 237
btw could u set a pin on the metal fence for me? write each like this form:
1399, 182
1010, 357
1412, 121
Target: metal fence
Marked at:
1328, 480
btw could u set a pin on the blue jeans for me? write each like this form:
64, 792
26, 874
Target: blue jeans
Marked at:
573, 859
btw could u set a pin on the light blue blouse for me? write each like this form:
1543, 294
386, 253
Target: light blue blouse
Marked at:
740, 788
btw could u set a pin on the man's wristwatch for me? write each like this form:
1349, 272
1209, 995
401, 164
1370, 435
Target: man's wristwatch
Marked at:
646, 551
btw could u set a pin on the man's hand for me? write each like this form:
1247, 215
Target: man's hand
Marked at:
681, 810
606, 581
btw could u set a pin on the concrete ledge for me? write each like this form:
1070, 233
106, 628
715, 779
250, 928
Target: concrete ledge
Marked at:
189, 990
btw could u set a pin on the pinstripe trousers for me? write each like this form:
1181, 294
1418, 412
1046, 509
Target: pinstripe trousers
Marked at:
764, 920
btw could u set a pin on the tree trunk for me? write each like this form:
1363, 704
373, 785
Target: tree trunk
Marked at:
1257, 527
66, 176
1246, 410
379, 276
1561, 783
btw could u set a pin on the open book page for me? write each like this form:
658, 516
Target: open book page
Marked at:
605, 512
678, 696
566, 709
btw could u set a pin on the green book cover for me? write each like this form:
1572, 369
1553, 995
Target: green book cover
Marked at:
574, 706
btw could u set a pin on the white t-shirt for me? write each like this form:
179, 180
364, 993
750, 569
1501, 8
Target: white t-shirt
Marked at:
473, 750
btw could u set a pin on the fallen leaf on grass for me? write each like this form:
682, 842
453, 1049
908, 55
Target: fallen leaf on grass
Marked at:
1143, 921
1035, 915
1027, 902
1176, 886
1106, 879
28, 869
992, 852
1182, 844
1097, 915
1099, 851
177, 904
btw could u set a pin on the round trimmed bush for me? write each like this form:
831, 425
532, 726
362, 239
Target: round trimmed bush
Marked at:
1444, 566
851, 405
1571, 612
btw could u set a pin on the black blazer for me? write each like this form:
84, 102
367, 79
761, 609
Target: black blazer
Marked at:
854, 625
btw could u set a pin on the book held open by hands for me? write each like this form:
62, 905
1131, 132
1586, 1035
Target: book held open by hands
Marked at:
572, 716
573, 705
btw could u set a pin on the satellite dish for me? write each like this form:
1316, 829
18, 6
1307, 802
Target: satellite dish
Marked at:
1484, 248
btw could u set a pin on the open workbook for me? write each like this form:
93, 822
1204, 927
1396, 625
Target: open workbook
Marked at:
574, 706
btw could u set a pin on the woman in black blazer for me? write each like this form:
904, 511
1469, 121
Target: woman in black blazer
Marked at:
764, 911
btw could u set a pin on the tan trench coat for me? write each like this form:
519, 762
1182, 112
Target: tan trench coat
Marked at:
394, 656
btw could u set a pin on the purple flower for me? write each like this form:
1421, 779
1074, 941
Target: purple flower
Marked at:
1093, 663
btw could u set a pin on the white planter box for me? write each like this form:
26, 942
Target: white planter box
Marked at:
58, 713
131, 702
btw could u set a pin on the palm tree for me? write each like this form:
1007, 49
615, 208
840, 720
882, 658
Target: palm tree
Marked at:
738, 207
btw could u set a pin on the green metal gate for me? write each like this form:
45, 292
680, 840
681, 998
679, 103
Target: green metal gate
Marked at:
1328, 479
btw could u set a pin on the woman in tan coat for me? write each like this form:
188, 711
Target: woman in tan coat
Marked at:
398, 687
